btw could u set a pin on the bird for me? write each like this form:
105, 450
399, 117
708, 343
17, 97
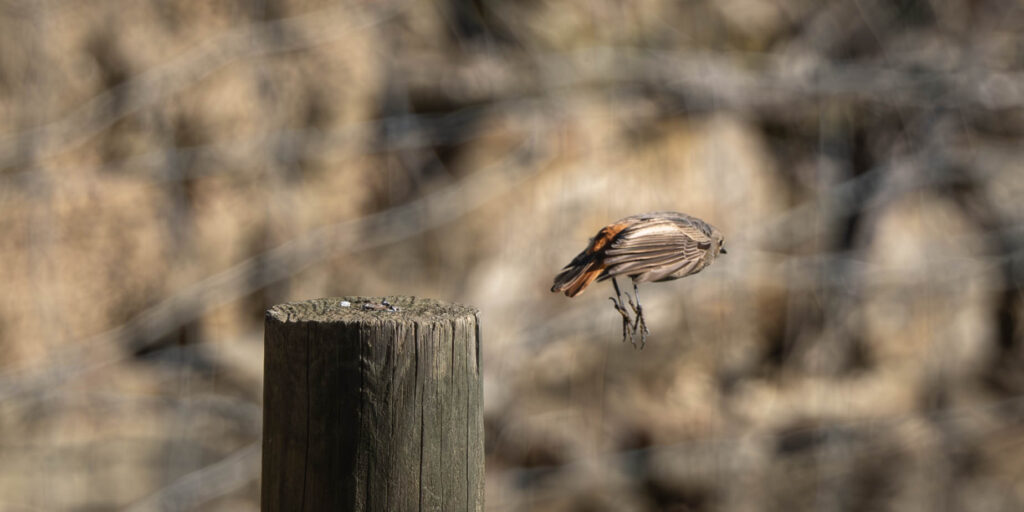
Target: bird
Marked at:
648, 247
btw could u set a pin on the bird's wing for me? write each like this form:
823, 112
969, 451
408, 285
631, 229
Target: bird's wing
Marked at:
653, 250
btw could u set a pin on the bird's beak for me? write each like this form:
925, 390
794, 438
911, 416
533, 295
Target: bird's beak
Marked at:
723, 251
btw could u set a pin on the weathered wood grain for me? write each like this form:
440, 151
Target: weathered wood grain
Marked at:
372, 409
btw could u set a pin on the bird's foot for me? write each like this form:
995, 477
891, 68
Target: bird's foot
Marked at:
627, 332
639, 324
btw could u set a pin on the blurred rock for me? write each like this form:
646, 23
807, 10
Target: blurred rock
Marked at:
168, 170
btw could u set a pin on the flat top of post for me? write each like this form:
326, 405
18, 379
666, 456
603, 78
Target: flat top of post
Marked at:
361, 309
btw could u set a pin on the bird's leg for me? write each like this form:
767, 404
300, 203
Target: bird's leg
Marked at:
617, 300
639, 323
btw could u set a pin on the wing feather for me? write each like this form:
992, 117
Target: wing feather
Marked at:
653, 250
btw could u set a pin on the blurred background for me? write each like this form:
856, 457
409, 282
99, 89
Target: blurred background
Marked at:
170, 169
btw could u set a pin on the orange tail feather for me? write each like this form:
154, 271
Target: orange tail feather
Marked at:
577, 285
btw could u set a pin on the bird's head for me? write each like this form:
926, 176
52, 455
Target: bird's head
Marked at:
718, 242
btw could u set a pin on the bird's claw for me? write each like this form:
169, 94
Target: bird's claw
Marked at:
626, 331
631, 326
641, 325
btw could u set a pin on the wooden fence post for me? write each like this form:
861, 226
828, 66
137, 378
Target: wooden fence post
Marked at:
368, 407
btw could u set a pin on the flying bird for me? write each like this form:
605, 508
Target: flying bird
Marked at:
649, 247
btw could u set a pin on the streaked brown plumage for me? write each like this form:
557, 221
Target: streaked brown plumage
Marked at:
650, 247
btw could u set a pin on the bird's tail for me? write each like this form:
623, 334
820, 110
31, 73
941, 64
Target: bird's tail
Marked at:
582, 271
